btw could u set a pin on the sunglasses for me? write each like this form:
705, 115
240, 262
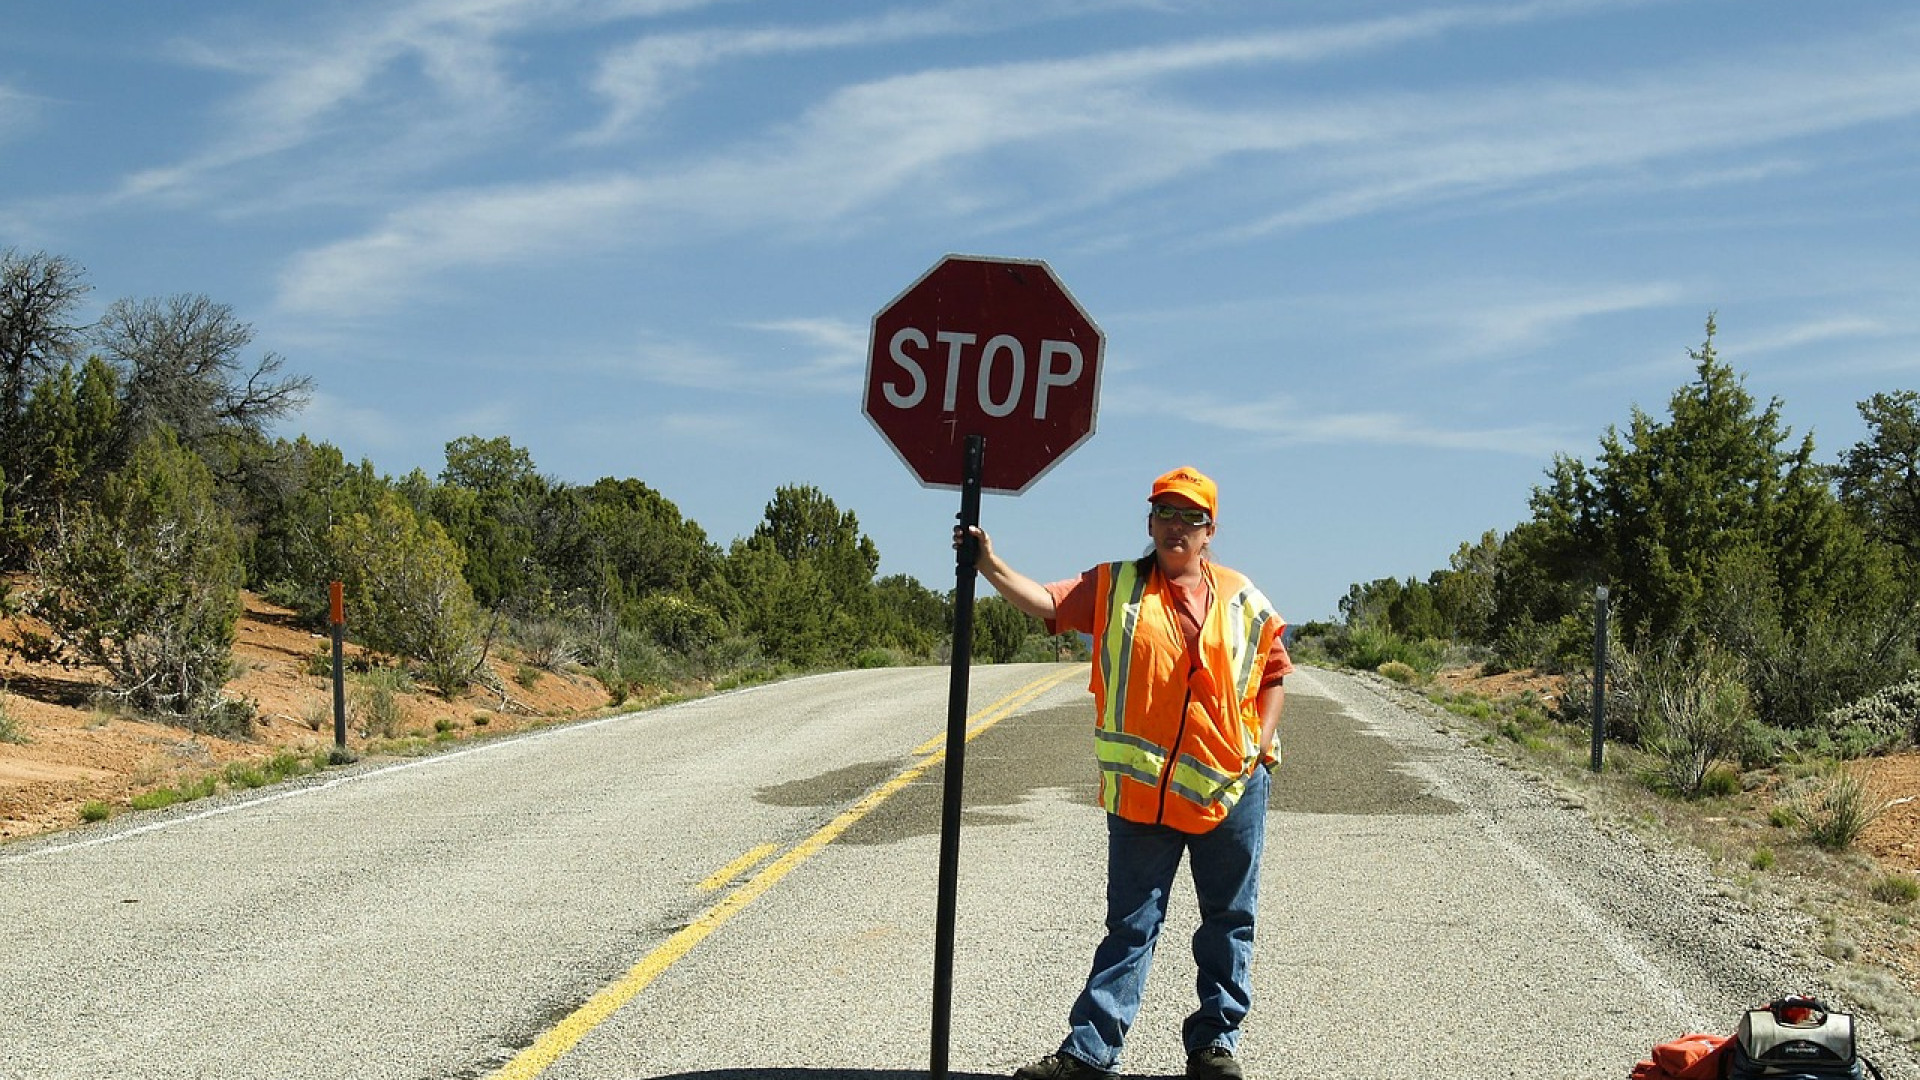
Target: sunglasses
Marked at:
1186, 515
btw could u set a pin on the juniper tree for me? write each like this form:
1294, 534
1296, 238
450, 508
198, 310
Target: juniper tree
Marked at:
1714, 523
144, 582
1881, 475
405, 593
39, 297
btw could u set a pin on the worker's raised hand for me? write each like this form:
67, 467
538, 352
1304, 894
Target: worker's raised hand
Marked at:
961, 533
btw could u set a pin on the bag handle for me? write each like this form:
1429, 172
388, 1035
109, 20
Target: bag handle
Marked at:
1799, 1010
1805, 1010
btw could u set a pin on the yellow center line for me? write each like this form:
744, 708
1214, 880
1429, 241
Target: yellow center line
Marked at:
565, 1035
996, 712
724, 876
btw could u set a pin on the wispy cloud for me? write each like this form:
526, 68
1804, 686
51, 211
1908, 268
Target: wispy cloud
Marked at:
1460, 321
1282, 420
1506, 318
333, 419
1535, 441
1822, 330
682, 365
382, 434
1093, 130
639, 79
1406, 152
810, 356
828, 352
859, 147
408, 85
17, 111
388, 265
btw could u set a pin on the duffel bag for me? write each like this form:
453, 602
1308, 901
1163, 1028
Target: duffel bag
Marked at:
1795, 1038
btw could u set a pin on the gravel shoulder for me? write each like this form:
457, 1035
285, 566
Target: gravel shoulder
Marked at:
1715, 948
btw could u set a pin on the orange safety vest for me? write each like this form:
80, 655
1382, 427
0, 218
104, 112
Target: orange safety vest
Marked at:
1156, 705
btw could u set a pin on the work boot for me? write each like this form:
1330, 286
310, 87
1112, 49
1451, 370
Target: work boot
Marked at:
1213, 1063
1057, 1066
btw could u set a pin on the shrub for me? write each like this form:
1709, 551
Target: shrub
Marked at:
10, 730
1624, 695
245, 775
1695, 712
317, 714
1761, 859
95, 810
1313, 649
1801, 680
1896, 889
402, 574
376, 699
1559, 645
1530, 717
1890, 717
675, 622
1036, 649
642, 661
1834, 809
1366, 648
547, 644
1399, 672
1720, 782
160, 798
230, 718
1471, 706
737, 653
616, 686
242, 775
320, 662
145, 583
290, 763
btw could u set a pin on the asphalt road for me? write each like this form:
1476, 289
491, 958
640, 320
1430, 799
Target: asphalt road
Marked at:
745, 886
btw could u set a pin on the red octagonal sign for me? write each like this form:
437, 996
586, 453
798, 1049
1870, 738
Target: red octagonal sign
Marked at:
989, 347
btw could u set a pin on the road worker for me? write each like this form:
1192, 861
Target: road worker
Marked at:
1188, 684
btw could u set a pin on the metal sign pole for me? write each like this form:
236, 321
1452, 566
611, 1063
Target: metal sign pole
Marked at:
1599, 678
336, 610
965, 573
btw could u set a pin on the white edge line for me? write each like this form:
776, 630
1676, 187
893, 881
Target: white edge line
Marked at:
246, 803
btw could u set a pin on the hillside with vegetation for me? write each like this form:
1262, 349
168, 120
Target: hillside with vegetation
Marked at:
1761, 691
145, 504
1762, 604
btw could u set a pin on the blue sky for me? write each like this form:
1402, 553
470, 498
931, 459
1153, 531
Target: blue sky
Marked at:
1371, 264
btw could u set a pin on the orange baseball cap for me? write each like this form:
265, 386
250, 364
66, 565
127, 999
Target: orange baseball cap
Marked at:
1191, 483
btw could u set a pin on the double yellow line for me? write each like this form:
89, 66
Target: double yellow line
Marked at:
565, 1035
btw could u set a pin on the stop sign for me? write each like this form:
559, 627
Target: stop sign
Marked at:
988, 347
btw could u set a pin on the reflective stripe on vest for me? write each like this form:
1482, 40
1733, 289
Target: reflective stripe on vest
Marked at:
1126, 586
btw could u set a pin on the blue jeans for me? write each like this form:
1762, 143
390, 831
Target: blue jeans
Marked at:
1141, 863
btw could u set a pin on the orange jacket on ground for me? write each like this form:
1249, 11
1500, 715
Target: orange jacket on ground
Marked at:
1156, 705
1689, 1057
